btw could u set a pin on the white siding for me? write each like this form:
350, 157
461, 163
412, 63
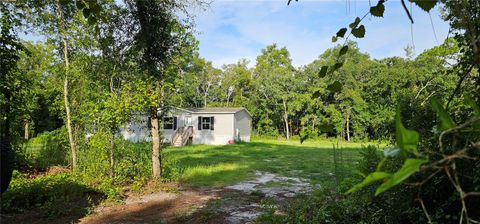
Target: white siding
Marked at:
222, 133
243, 126
227, 127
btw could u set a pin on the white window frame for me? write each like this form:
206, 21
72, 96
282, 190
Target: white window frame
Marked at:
209, 123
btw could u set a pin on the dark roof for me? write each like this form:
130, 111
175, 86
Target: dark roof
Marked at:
215, 110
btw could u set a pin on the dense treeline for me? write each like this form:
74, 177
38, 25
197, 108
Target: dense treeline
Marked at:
278, 95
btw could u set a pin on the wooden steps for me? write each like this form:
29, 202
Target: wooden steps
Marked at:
181, 136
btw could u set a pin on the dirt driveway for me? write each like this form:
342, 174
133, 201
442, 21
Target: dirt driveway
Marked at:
238, 203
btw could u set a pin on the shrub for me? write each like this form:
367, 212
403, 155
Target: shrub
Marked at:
47, 149
55, 195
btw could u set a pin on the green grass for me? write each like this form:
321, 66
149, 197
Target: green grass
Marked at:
203, 165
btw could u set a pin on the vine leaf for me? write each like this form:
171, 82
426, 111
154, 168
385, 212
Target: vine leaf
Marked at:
86, 12
409, 167
335, 67
355, 23
80, 4
425, 5
341, 32
334, 39
323, 71
406, 139
335, 87
377, 10
359, 32
343, 50
316, 94
446, 122
370, 179
471, 102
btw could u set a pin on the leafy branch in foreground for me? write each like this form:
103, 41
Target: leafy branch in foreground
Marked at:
427, 169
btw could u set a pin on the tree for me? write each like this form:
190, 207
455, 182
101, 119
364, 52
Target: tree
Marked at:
10, 48
157, 40
53, 18
274, 75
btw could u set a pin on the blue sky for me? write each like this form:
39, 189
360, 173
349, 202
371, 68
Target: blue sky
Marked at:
231, 30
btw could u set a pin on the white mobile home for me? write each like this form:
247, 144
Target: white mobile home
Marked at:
211, 126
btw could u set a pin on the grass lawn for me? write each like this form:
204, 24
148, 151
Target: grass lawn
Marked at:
203, 165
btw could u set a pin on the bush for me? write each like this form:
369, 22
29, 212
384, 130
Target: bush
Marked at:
54, 195
47, 149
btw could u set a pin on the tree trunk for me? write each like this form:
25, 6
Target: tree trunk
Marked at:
71, 140
7, 154
156, 159
25, 131
348, 126
112, 154
285, 117
205, 99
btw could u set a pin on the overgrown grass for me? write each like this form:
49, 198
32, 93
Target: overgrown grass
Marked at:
195, 165
202, 165
52, 195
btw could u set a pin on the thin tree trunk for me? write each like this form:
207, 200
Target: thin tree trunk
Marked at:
71, 140
112, 155
156, 160
205, 99
25, 131
348, 126
285, 117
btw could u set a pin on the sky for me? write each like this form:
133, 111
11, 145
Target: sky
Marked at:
230, 30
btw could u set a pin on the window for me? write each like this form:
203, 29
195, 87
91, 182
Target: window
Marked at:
205, 123
168, 123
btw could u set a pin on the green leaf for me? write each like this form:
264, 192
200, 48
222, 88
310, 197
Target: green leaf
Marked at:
337, 65
426, 5
410, 166
343, 50
370, 179
406, 139
304, 137
377, 10
335, 87
359, 32
341, 32
471, 102
323, 71
316, 94
334, 39
86, 12
446, 122
355, 23
91, 20
80, 4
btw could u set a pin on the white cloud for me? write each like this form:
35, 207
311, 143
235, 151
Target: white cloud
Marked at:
231, 30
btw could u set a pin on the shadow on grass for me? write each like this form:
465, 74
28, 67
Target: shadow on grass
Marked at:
203, 165
58, 198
